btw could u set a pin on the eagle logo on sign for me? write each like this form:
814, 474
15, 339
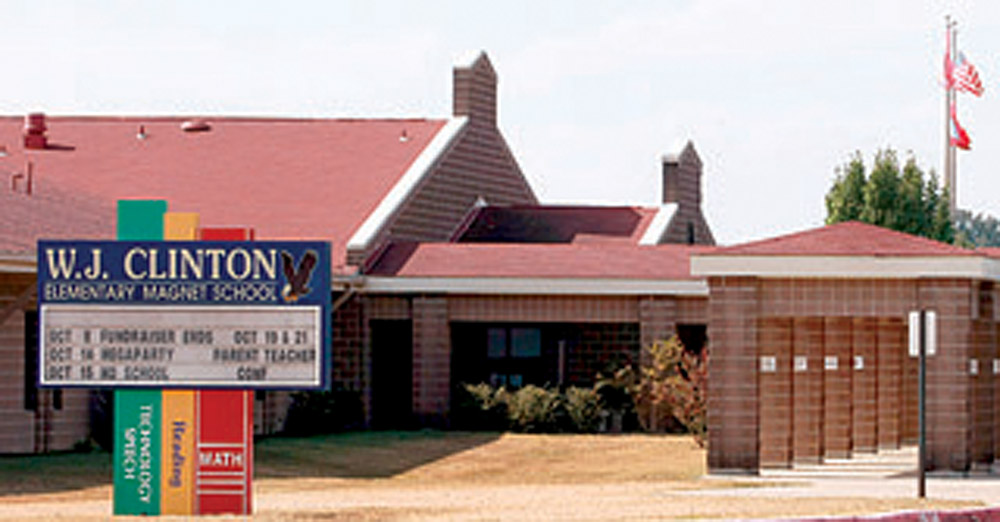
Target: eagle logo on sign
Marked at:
297, 278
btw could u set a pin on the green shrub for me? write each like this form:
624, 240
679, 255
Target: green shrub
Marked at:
583, 408
615, 393
480, 407
536, 410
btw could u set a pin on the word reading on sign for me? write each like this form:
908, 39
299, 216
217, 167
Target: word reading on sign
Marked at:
180, 346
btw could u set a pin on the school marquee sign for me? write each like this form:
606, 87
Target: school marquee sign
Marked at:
248, 314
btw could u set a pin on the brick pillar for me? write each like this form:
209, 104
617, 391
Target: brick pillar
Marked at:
807, 389
774, 344
837, 421
657, 319
431, 359
948, 384
732, 375
864, 384
347, 340
982, 393
892, 346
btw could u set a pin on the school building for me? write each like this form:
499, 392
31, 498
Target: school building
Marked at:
448, 270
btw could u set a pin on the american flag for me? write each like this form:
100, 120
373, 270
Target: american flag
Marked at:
965, 77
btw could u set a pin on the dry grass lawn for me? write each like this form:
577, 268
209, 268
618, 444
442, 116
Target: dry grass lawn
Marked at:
447, 475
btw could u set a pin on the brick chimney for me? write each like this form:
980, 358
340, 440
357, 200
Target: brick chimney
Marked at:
682, 177
34, 131
474, 90
682, 187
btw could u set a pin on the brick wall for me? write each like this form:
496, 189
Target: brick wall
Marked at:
544, 309
431, 359
874, 402
601, 348
732, 374
657, 319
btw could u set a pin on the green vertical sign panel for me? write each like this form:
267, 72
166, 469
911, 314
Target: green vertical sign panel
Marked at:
140, 220
137, 452
138, 412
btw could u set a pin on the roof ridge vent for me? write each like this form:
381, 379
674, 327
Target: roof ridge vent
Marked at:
196, 125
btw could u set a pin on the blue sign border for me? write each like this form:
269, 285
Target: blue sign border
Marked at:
209, 272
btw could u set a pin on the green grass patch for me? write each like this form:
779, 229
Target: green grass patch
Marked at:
58, 472
360, 454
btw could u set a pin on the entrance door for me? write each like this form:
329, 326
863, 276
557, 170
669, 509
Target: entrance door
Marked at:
392, 374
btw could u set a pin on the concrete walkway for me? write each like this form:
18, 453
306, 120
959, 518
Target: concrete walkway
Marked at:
882, 475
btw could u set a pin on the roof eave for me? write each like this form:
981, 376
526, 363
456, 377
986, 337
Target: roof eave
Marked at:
534, 286
858, 267
18, 262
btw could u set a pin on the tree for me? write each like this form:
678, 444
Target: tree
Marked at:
976, 230
846, 198
890, 197
672, 388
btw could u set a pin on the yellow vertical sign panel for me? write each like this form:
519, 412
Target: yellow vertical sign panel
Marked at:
180, 226
178, 431
178, 453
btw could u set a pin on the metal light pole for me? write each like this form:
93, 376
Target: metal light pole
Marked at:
922, 385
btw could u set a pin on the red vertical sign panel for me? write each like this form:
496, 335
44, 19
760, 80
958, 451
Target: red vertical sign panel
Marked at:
224, 470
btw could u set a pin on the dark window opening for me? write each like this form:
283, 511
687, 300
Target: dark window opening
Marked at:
31, 360
693, 337
690, 230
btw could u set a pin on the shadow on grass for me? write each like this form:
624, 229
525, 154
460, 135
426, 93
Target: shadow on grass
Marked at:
363, 454
53, 473
372, 454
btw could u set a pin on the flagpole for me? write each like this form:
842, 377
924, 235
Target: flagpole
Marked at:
949, 150
953, 157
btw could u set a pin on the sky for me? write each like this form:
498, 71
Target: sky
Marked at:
775, 95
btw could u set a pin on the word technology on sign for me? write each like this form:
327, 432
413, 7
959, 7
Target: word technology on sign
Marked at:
182, 314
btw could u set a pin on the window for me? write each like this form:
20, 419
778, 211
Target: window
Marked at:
513, 355
525, 342
496, 343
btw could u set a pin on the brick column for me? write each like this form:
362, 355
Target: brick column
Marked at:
948, 383
657, 319
431, 359
732, 375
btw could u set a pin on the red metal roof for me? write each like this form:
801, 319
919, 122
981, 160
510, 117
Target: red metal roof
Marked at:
846, 239
581, 260
287, 178
558, 224
993, 252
